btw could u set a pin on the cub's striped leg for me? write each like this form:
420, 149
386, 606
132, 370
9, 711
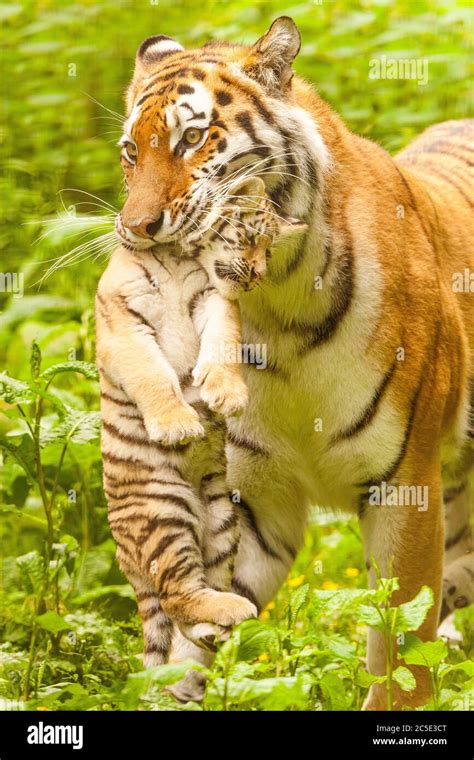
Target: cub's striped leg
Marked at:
458, 579
408, 540
221, 533
157, 626
162, 531
220, 545
219, 549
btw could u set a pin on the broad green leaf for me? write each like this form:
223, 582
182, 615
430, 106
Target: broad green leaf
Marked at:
75, 427
365, 679
18, 392
14, 391
340, 647
370, 616
52, 622
242, 690
123, 590
467, 667
286, 697
404, 678
255, 638
334, 691
417, 652
23, 453
31, 567
162, 675
412, 614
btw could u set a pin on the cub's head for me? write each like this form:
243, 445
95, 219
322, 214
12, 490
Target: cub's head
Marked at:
236, 252
199, 123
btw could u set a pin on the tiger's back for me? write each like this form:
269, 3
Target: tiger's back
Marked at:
442, 158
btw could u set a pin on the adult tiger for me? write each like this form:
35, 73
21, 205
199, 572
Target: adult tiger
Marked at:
369, 346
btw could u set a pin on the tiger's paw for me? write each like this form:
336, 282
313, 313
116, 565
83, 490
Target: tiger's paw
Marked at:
178, 426
222, 388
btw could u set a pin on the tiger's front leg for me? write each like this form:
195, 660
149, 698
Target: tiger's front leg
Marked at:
407, 539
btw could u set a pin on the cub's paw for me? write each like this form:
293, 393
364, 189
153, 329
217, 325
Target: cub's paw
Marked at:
224, 608
204, 635
179, 425
222, 388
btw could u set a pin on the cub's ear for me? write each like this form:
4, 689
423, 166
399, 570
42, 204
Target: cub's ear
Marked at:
152, 51
270, 59
249, 192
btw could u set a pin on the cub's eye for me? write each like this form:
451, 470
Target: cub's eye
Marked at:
131, 151
192, 136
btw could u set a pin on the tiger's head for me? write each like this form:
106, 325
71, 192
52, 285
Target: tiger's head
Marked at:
202, 121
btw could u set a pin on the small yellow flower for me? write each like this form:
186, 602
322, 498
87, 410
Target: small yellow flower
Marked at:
330, 586
43, 708
265, 615
270, 606
295, 582
264, 657
352, 572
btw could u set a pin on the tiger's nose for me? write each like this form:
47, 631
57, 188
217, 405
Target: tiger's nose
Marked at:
147, 227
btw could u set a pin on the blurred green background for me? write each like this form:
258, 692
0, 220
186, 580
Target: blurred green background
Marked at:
64, 68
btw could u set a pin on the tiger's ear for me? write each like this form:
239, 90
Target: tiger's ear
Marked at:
152, 51
271, 57
149, 54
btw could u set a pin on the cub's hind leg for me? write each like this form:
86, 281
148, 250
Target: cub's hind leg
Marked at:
221, 532
220, 544
157, 626
158, 522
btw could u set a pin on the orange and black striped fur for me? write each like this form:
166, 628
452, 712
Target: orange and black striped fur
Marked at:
367, 318
160, 325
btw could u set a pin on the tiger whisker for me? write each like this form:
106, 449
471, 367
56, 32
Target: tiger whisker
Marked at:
91, 195
117, 115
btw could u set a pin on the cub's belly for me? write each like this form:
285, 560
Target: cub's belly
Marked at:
179, 342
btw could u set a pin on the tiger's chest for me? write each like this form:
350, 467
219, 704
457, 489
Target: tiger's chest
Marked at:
307, 409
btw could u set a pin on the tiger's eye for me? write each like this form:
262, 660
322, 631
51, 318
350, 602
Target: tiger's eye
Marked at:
192, 135
132, 151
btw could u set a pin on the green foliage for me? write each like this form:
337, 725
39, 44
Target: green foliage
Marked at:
69, 634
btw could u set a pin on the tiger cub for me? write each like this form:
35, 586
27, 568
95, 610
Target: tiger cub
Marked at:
164, 327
